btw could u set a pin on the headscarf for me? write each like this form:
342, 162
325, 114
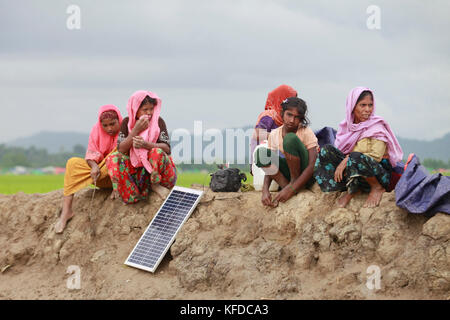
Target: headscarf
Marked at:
100, 143
273, 103
139, 157
350, 133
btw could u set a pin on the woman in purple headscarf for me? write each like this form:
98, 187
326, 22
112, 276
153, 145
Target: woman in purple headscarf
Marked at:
364, 153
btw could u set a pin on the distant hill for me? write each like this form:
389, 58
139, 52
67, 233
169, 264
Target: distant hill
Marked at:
54, 142
435, 149
65, 141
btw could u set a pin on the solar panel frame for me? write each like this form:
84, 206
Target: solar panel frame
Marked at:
174, 233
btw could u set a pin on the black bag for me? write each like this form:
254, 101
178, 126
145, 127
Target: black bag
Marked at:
227, 180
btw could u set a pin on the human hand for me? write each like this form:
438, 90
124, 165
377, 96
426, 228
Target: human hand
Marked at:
266, 199
139, 142
95, 173
339, 172
141, 125
285, 194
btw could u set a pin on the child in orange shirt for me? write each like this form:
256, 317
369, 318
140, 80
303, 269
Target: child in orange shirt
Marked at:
291, 153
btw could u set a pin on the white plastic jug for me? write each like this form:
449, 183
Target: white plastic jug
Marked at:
258, 173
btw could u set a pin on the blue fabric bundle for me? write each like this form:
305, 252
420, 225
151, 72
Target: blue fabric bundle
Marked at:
326, 135
419, 192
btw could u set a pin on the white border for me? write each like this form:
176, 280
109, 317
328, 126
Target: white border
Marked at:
182, 189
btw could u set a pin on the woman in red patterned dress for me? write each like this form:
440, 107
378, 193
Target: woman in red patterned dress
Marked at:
142, 162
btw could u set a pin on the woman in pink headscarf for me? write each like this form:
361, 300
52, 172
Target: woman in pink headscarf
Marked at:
92, 169
365, 151
142, 162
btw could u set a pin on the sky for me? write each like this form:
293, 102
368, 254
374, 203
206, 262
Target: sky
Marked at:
216, 61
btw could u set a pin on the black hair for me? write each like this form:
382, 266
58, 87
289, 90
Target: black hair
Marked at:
300, 105
109, 114
148, 100
363, 95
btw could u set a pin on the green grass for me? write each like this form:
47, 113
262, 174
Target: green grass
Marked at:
444, 174
30, 183
186, 179
10, 184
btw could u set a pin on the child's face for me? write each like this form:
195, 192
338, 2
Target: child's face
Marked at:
110, 126
291, 119
146, 109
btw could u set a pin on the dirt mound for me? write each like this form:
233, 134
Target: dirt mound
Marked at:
230, 248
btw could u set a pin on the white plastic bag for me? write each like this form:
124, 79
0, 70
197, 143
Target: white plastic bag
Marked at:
258, 173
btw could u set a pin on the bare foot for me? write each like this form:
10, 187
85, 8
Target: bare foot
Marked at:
161, 191
374, 198
114, 195
345, 199
62, 221
376, 192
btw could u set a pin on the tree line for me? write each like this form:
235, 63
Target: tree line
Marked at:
33, 157
436, 163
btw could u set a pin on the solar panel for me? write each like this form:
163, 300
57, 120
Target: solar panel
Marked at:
162, 230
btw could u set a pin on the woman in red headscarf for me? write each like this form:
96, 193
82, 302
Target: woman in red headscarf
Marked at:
270, 118
92, 169
142, 162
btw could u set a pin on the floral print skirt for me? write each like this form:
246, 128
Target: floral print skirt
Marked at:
134, 184
358, 167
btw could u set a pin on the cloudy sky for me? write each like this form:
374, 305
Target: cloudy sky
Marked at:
216, 61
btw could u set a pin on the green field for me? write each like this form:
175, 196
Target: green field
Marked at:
30, 183
10, 184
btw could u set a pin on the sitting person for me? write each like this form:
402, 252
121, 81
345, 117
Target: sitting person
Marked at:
142, 162
364, 153
270, 118
92, 169
291, 153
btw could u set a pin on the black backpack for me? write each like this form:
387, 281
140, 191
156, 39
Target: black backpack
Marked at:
227, 180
